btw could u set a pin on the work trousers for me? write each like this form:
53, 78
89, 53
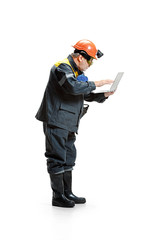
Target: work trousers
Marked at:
60, 149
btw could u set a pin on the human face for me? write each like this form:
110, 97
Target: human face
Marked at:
84, 64
90, 61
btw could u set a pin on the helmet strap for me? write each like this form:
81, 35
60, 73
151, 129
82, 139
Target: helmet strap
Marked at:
83, 53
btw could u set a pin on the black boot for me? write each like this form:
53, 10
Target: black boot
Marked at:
59, 199
67, 178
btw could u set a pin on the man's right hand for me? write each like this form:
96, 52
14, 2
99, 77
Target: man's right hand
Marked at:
103, 82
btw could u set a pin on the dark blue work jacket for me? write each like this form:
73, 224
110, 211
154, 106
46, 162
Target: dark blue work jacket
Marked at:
62, 103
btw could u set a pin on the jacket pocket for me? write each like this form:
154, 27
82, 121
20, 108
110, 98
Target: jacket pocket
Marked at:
67, 115
67, 108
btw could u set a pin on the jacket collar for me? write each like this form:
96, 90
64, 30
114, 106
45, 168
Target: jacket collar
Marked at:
74, 65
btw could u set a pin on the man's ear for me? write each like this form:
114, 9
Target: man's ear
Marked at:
80, 58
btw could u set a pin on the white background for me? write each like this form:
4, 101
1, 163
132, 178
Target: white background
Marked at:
118, 165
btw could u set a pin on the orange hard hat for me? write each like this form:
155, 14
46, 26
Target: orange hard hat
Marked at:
87, 46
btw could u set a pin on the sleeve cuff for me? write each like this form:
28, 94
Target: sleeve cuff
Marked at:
92, 86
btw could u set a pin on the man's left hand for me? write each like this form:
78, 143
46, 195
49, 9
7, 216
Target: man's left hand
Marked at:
107, 94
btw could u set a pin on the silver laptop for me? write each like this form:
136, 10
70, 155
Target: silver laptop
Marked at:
113, 86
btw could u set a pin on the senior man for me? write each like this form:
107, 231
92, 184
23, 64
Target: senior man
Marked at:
61, 110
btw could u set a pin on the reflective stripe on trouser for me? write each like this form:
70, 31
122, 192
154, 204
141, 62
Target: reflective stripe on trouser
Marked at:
60, 149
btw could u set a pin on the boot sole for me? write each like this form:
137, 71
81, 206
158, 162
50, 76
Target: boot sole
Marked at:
62, 205
80, 202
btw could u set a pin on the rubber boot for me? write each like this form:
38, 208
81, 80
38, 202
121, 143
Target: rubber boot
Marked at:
59, 199
67, 178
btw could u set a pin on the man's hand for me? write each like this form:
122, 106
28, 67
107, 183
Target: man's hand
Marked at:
107, 94
103, 82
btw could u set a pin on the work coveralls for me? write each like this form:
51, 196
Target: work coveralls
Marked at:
60, 112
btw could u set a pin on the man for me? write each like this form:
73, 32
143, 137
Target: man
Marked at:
60, 112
